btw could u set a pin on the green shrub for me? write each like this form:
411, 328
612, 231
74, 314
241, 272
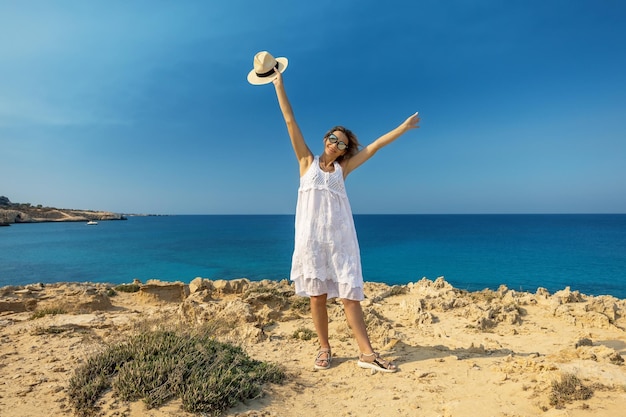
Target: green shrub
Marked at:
127, 288
45, 311
209, 376
301, 304
303, 333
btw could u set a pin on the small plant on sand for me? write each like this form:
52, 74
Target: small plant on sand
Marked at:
38, 331
569, 389
48, 310
261, 289
127, 288
157, 366
300, 304
302, 333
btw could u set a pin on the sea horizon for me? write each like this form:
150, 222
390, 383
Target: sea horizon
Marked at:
380, 214
583, 251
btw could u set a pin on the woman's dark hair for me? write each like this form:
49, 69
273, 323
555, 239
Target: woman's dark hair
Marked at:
353, 147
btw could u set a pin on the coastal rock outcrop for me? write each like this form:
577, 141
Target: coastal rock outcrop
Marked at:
171, 292
495, 351
26, 213
241, 308
66, 298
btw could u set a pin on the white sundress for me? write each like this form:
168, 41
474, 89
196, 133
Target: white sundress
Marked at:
326, 257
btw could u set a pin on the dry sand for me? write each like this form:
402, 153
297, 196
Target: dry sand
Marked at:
488, 353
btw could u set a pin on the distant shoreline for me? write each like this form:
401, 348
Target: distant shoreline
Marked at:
53, 215
96, 216
14, 213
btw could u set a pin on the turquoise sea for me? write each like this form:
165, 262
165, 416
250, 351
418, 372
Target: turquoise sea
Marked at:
524, 252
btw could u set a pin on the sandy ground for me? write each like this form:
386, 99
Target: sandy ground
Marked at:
488, 353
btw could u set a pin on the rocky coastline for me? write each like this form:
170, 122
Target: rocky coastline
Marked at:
11, 213
472, 354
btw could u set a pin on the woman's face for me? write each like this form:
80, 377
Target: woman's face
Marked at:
336, 140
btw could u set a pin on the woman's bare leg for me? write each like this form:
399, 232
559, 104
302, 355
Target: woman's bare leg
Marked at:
319, 312
320, 319
354, 315
356, 321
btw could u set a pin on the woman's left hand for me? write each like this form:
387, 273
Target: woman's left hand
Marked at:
411, 122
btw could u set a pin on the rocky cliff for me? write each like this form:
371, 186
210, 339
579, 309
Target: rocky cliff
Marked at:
26, 213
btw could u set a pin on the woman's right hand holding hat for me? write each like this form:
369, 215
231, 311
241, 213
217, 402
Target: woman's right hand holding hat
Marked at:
278, 81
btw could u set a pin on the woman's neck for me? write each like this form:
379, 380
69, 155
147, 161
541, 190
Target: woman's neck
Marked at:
327, 163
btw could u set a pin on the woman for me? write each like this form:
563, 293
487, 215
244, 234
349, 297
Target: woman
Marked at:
326, 260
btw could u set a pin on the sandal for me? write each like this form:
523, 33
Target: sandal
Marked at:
377, 364
323, 359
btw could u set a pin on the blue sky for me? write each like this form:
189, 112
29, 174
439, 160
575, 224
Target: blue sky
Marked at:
144, 107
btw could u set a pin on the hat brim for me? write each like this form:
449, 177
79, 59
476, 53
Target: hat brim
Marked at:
256, 80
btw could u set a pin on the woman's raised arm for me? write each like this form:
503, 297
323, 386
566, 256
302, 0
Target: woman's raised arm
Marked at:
366, 153
302, 151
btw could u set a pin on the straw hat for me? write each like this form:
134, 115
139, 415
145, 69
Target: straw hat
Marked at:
263, 71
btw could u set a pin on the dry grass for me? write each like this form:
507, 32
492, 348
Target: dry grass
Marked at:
569, 389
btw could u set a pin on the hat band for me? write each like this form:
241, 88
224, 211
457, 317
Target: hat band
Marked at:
267, 74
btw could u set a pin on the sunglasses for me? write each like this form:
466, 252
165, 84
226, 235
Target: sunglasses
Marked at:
340, 144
